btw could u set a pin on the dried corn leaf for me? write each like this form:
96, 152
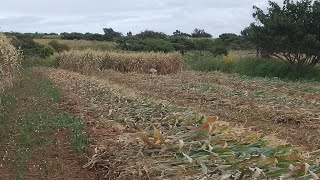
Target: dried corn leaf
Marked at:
144, 137
157, 136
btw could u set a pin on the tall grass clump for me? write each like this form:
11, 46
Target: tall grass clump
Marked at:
141, 62
255, 67
10, 61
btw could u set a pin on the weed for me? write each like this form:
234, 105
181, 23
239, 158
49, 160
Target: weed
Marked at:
75, 127
46, 88
19, 163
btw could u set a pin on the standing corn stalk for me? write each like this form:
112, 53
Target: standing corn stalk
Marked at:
10, 61
140, 62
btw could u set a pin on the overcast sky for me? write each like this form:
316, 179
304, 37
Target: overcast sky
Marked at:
215, 16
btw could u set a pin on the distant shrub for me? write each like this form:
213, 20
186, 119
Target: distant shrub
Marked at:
219, 50
30, 48
47, 51
58, 47
26, 45
158, 45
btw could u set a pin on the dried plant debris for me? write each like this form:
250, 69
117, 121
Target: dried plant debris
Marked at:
163, 141
10, 60
271, 106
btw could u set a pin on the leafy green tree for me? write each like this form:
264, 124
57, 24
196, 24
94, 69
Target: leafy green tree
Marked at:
182, 44
290, 33
179, 33
71, 36
110, 34
200, 33
151, 34
234, 41
129, 33
158, 45
203, 44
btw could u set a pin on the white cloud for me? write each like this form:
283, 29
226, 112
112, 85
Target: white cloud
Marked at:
215, 16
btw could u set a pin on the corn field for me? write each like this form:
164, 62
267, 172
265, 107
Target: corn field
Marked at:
140, 62
9, 63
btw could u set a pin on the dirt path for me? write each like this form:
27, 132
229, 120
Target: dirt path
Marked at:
290, 110
32, 144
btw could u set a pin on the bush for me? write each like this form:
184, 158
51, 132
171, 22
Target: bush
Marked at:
47, 51
219, 50
58, 47
30, 48
158, 45
26, 45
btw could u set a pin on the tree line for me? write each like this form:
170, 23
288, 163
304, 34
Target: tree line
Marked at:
149, 40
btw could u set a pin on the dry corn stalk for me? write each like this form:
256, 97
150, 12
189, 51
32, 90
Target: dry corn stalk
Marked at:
9, 63
141, 62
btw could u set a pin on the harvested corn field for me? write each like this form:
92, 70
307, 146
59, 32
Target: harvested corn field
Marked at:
141, 62
290, 110
138, 133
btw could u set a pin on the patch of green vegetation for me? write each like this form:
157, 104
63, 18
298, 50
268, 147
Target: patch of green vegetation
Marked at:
75, 127
20, 163
45, 87
35, 61
172, 108
7, 100
309, 89
253, 67
201, 87
33, 123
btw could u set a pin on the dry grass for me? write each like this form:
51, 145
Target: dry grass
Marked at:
9, 63
81, 44
141, 62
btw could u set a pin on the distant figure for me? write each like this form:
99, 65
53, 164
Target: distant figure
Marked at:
153, 72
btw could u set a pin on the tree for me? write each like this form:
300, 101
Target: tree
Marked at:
179, 33
129, 33
200, 33
110, 34
151, 34
181, 43
290, 33
158, 45
234, 41
203, 44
